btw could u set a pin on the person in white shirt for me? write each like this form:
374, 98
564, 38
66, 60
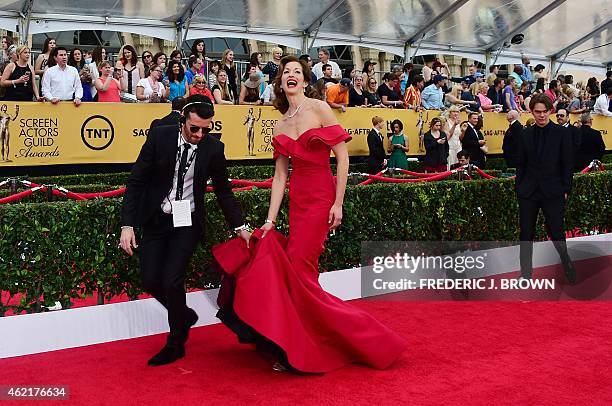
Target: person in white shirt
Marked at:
62, 82
324, 59
602, 104
268, 95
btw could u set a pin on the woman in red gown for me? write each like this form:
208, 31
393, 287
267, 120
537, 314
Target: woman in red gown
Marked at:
270, 294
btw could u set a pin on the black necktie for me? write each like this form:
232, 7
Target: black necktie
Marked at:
182, 172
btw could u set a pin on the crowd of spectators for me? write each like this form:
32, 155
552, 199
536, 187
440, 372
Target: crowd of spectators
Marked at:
84, 76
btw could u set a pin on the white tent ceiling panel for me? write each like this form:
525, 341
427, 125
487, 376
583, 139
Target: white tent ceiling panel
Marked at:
469, 26
289, 39
480, 23
564, 25
139, 9
8, 23
40, 24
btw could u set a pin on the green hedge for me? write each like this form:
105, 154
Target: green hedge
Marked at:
67, 250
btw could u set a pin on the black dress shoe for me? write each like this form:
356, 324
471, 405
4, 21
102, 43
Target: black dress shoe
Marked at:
190, 321
167, 355
570, 272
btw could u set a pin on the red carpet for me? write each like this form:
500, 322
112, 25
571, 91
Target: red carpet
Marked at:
467, 353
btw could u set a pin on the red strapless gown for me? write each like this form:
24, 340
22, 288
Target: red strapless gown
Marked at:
274, 285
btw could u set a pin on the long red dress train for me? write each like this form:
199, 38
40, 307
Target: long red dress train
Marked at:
273, 286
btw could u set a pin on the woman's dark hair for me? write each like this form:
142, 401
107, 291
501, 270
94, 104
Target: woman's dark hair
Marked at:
415, 80
366, 66
170, 74
397, 122
200, 105
213, 63
157, 56
194, 48
539, 67
281, 103
408, 67
51, 61
518, 70
253, 59
434, 121
175, 53
492, 68
133, 60
142, 57
96, 55
71, 60
540, 84
46, 44
347, 71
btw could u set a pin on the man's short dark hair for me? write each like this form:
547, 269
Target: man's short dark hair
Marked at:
417, 79
496, 82
199, 104
541, 98
57, 49
178, 103
304, 58
609, 74
470, 114
553, 84
463, 154
325, 66
492, 68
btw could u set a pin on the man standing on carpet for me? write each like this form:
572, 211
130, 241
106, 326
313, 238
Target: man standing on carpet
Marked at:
165, 195
543, 181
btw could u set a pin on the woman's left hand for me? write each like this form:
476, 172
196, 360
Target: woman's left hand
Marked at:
335, 216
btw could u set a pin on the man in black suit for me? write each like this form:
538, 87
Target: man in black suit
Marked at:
165, 195
511, 137
377, 159
563, 119
543, 181
173, 117
592, 145
473, 141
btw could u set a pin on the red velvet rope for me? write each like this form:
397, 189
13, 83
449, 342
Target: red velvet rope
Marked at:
19, 196
438, 176
483, 173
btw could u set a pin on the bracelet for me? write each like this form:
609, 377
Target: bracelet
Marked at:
13, 82
271, 221
237, 230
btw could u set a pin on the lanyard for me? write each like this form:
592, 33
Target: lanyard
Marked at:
181, 176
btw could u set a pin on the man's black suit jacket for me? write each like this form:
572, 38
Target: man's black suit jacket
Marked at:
550, 172
470, 143
153, 173
510, 143
377, 151
591, 147
173, 118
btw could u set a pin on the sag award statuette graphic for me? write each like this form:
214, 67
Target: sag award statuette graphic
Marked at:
5, 135
250, 121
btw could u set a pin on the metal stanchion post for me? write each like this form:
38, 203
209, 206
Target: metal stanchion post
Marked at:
49, 192
13, 186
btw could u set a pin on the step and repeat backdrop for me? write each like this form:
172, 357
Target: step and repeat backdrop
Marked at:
44, 134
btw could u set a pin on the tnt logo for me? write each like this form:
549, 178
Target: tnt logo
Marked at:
97, 132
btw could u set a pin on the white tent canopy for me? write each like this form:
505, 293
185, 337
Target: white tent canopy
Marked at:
578, 32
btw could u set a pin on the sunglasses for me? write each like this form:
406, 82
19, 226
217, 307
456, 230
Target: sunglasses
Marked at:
148, 56
373, 83
560, 115
194, 129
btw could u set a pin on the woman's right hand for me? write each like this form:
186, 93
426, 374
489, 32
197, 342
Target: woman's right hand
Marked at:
266, 228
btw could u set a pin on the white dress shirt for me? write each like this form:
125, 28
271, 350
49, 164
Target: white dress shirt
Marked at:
318, 70
601, 106
188, 182
63, 84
